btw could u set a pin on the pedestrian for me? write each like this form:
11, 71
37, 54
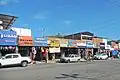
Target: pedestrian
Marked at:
34, 55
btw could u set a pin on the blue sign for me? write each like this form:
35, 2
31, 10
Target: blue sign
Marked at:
8, 37
89, 44
41, 42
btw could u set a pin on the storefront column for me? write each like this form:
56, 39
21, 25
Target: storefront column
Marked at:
78, 52
53, 56
47, 57
16, 49
92, 51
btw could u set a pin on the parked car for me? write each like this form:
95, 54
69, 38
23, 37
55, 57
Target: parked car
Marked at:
70, 58
101, 56
14, 59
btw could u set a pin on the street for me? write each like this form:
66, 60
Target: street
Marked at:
96, 70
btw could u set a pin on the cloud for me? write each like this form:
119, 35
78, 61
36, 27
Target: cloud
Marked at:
25, 25
40, 16
67, 22
5, 2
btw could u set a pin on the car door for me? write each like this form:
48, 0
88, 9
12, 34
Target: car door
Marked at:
16, 59
76, 58
7, 60
72, 58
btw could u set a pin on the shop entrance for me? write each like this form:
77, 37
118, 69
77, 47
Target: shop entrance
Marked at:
7, 50
24, 50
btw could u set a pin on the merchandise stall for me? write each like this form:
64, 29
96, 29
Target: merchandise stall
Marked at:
25, 44
81, 47
89, 47
8, 42
72, 47
63, 46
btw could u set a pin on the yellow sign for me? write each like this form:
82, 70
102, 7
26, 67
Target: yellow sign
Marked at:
53, 42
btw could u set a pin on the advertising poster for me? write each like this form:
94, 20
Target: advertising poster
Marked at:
63, 42
53, 42
72, 43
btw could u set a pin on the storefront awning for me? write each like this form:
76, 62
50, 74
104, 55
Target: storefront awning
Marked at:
6, 21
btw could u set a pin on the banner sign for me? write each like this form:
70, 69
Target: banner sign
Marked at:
53, 42
63, 42
54, 50
8, 37
25, 41
72, 43
102, 44
41, 42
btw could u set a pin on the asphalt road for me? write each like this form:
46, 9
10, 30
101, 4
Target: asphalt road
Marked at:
97, 70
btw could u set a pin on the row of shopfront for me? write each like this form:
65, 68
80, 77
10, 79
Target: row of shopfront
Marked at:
11, 42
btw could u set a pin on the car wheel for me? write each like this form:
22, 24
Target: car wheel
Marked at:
100, 58
68, 61
24, 63
78, 60
0, 65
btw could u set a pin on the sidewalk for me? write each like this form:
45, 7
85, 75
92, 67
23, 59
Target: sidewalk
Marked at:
41, 62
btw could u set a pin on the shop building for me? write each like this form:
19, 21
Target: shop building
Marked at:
25, 44
63, 46
54, 48
41, 44
72, 47
25, 40
8, 41
84, 37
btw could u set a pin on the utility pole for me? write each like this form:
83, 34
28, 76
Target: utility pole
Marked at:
43, 30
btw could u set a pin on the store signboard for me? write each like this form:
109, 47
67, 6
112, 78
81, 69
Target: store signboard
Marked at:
53, 42
81, 44
96, 45
8, 37
25, 41
89, 44
63, 42
54, 50
72, 43
40, 42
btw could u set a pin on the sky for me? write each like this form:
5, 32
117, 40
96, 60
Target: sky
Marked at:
101, 17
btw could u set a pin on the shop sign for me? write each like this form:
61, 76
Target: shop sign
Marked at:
72, 43
25, 41
63, 42
81, 44
102, 44
89, 44
95, 45
40, 42
54, 43
8, 37
54, 50
108, 47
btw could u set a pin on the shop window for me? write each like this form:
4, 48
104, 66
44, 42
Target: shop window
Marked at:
87, 38
15, 56
8, 57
